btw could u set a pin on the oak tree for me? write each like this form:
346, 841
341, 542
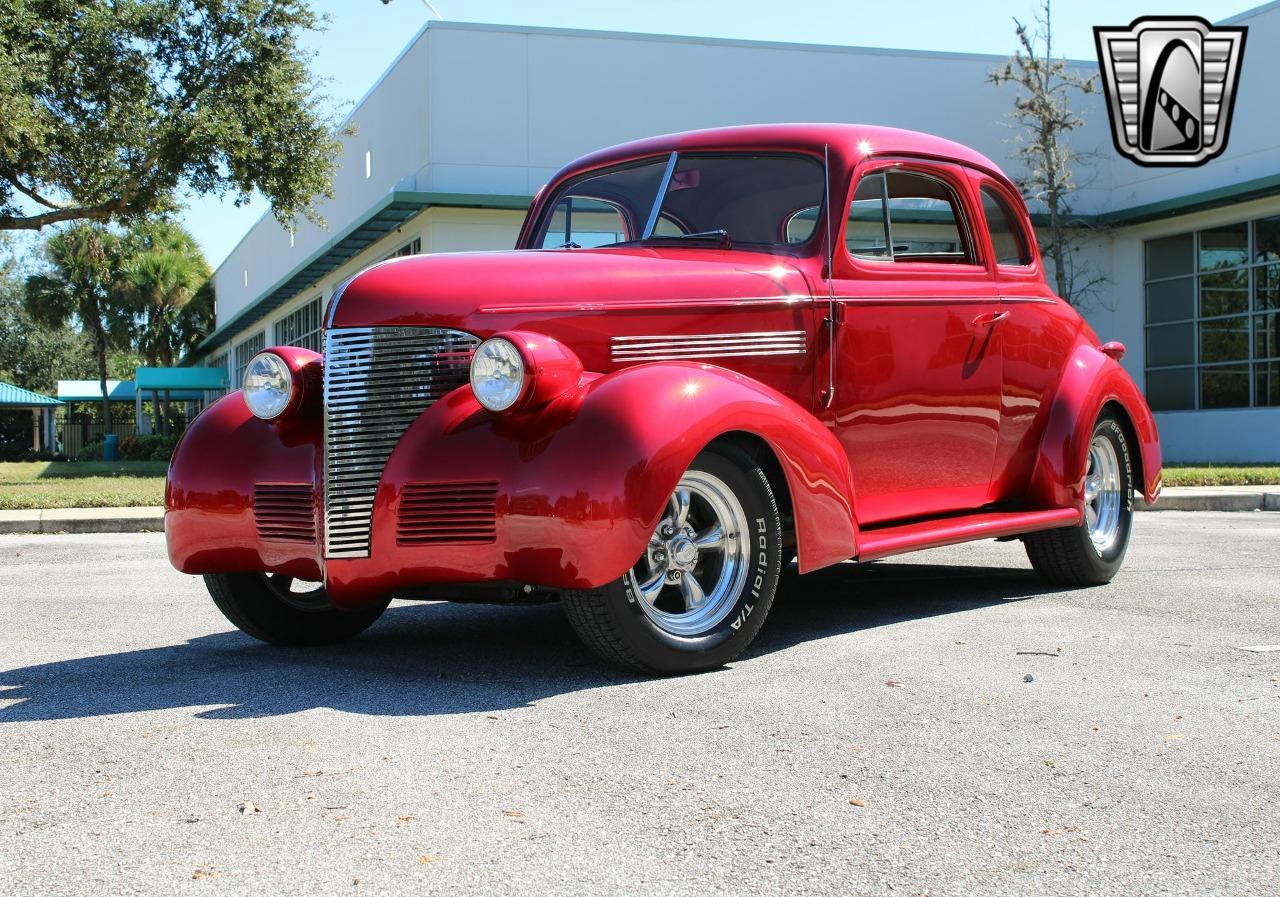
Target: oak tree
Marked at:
112, 108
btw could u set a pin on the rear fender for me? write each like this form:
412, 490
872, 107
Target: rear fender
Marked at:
1091, 380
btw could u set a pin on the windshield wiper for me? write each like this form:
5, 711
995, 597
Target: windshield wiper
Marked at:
718, 237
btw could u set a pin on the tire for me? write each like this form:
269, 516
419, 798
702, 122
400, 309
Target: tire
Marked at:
655, 629
269, 608
1091, 554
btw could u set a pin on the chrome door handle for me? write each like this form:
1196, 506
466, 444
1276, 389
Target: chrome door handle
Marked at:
991, 317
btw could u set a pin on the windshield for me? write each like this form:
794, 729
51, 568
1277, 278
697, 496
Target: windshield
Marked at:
699, 199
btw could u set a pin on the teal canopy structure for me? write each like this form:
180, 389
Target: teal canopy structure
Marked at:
42, 408
196, 379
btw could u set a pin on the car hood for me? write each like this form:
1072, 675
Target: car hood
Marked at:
486, 292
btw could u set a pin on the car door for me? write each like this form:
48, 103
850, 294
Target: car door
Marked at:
1036, 334
917, 351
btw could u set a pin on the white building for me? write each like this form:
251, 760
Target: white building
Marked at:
448, 152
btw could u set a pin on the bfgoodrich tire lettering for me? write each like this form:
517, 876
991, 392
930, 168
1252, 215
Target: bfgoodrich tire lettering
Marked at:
1091, 553
618, 622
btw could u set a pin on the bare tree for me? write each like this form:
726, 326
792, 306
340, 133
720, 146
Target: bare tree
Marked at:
1042, 108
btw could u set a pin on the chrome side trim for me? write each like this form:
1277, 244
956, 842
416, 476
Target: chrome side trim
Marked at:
665, 347
663, 305
377, 381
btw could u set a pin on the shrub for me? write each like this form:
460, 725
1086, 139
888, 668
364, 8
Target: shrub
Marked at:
135, 448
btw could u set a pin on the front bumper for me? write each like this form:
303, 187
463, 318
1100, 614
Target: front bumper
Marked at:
465, 497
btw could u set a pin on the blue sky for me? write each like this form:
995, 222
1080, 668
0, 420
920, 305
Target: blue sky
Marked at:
364, 36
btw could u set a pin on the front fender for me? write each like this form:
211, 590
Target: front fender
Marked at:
225, 457
1090, 381
581, 484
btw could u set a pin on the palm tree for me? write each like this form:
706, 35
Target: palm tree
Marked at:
165, 281
83, 260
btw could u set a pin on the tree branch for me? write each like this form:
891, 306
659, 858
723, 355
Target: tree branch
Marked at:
32, 194
100, 212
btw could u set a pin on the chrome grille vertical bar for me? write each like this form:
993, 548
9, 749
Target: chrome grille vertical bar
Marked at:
377, 380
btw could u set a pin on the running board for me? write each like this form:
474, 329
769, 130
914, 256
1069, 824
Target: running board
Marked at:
882, 542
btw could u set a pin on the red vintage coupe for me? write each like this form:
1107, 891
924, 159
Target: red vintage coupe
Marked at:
709, 354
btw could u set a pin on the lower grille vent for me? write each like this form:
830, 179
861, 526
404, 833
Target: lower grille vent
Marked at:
445, 513
284, 512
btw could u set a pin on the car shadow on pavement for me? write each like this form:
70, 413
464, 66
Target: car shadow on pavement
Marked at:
429, 659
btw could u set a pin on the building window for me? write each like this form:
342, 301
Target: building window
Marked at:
244, 354
413, 247
300, 328
217, 361
1213, 317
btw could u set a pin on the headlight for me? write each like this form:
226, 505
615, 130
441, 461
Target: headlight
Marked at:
497, 374
268, 385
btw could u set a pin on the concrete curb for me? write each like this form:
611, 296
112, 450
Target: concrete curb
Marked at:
1216, 498
83, 520
144, 520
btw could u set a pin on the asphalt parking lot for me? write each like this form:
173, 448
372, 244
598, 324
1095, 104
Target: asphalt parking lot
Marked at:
880, 738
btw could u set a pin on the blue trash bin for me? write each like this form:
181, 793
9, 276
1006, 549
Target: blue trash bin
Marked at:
110, 447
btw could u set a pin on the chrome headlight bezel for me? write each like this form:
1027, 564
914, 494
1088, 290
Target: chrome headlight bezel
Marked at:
268, 386
499, 375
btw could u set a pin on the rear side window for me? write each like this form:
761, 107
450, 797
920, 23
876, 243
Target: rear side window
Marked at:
902, 216
1007, 238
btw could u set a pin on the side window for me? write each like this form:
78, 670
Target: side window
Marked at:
586, 222
668, 227
1007, 238
801, 225
902, 216
867, 233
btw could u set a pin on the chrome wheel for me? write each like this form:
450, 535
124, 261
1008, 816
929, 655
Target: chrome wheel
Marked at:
694, 569
299, 594
1103, 488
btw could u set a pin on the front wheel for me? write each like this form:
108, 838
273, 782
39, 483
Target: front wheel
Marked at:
699, 594
1091, 553
282, 610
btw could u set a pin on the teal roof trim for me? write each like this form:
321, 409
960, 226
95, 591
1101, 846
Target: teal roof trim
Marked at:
181, 378
385, 216
1202, 201
16, 397
1257, 188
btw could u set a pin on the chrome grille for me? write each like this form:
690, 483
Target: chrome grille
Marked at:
377, 380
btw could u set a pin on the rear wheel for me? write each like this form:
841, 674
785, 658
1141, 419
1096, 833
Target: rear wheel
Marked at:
283, 610
699, 594
1091, 553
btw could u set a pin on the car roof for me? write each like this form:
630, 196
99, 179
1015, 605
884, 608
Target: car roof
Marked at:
811, 137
